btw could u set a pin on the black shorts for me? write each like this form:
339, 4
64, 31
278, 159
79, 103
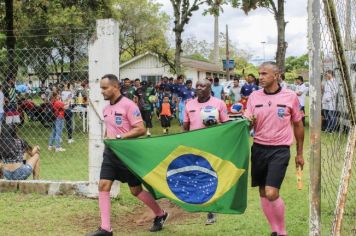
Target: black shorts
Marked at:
147, 118
112, 169
269, 165
165, 121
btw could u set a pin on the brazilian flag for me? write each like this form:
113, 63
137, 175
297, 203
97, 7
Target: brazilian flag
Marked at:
201, 170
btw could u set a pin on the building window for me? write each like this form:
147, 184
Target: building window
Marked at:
153, 79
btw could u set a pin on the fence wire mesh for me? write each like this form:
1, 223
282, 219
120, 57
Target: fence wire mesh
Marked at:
336, 123
30, 79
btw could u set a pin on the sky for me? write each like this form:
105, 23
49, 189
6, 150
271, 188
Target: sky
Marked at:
248, 31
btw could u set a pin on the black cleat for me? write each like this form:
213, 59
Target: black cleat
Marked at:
211, 219
100, 232
274, 234
159, 222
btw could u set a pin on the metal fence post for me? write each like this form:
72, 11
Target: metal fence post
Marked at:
315, 117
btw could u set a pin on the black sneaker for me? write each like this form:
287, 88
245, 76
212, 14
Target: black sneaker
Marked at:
100, 232
211, 219
158, 222
274, 234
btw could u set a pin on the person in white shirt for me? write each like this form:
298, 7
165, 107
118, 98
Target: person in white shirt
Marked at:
330, 90
235, 91
282, 81
67, 96
301, 91
2, 101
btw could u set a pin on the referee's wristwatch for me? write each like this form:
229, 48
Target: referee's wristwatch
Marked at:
118, 136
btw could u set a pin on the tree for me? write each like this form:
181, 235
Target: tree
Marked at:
215, 7
142, 27
58, 27
278, 11
297, 63
183, 11
10, 39
192, 46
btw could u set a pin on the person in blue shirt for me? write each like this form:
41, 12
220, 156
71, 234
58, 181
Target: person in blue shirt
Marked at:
179, 86
217, 89
164, 83
186, 93
249, 87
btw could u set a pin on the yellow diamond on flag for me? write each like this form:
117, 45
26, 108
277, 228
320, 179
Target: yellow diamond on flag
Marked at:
193, 176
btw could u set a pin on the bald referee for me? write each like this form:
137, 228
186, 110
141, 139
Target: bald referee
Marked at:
193, 121
122, 120
275, 116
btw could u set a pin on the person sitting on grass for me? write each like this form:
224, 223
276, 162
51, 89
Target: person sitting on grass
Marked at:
12, 152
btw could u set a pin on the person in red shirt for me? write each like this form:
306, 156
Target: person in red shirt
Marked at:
275, 116
57, 126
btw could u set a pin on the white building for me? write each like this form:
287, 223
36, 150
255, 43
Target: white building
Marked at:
148, 67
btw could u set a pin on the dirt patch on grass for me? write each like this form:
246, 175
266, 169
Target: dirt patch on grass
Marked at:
139, 219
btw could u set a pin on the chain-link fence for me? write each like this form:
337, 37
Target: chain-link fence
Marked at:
337, 60
45, 94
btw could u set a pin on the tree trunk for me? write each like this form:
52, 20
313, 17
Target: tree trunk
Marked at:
281, 43
178, 34
216, 39
10, 40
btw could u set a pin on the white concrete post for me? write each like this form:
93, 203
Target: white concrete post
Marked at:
103, 59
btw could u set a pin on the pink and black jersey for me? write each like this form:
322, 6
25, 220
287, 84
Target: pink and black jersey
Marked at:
193, 108
274, 114
120, 117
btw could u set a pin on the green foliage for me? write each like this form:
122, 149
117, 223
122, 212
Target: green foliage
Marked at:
296, 63
198, 57
249, 5
142, 27
67, 25
192, 45
215, 7
183, 11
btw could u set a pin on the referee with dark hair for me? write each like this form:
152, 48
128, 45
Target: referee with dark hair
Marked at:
122, 120
271, 111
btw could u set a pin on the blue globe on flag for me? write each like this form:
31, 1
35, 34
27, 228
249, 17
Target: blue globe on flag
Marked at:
192, 179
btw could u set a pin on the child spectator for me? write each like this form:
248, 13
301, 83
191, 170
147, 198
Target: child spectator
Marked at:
165, 114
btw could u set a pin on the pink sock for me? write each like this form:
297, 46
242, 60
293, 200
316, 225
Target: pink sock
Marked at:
148, 199
266, 207
278, 208
104, 205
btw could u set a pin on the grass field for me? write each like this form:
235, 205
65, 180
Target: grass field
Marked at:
71, 215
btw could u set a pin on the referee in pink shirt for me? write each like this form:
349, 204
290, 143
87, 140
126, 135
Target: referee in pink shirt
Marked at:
275, 116
122, 120
192, 118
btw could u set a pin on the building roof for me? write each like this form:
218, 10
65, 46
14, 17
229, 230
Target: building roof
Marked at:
202, 65
186, 62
